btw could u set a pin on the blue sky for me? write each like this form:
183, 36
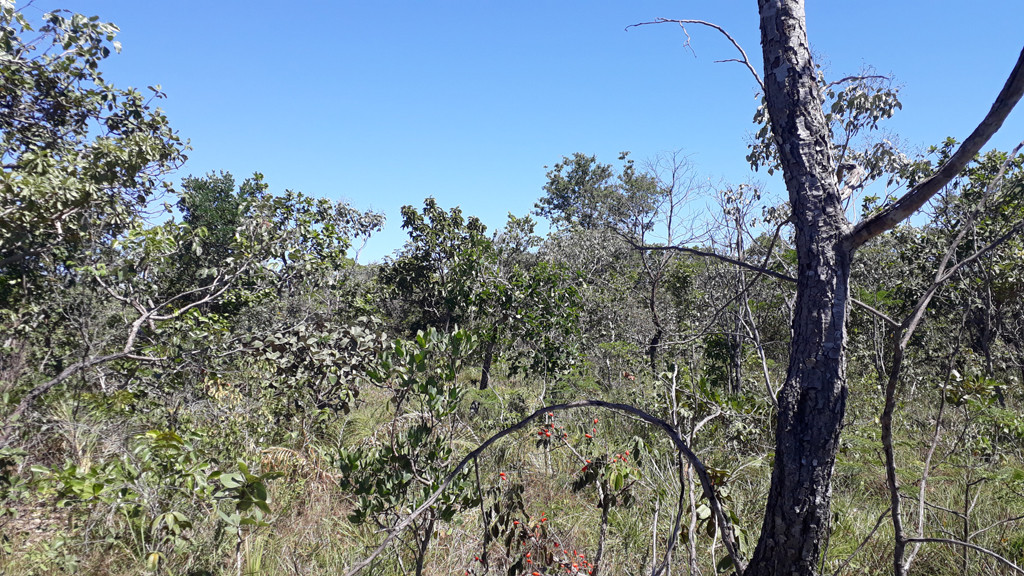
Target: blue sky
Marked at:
382, 103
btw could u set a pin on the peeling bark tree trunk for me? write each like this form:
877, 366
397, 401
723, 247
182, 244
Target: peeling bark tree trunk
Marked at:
813, 399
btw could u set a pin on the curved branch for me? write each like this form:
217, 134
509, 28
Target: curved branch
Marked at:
910, 202
952, 542
901, 340
705, 480
744, 60
982, 251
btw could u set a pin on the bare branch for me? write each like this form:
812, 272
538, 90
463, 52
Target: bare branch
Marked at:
722, 257
995, 524
1009, 564
743, 60
204, 300
145, 358
43, 388
856, 78
937, 507
983, 251
923, 191
926, 469
900, 342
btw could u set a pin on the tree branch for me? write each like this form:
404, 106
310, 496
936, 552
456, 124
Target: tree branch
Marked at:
722, 257
901, 340
743, 60
952, 542
923, 191
926, 469
762, 270
38, 391
854, 78
999, 523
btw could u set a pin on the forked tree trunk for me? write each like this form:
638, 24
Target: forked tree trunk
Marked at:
813, 399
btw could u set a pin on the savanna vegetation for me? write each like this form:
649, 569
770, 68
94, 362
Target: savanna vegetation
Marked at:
762, 387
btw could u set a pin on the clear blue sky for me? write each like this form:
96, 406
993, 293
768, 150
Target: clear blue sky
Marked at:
384, 102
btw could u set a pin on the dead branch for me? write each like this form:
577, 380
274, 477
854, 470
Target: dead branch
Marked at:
743, 55
900, 342
923, 487
762, 270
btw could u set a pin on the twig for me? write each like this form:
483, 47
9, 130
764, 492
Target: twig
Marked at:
881, 518
931, 452
771, 273
993, 525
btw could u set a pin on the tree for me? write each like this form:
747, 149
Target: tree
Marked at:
528, 308
212, 204
812, 399
284, 245
404, 467
80, 156
811, 402
450, 274
439, 270
578, 192
641, 207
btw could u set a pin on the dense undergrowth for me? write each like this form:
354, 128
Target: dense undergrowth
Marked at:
103, 488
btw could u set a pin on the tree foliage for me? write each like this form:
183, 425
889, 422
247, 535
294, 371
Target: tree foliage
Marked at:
81, 157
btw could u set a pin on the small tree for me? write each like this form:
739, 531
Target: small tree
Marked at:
450, 274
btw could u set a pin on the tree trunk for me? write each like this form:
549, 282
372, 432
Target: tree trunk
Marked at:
659, 330
485, 369
652, 347
813, 399
423, 542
